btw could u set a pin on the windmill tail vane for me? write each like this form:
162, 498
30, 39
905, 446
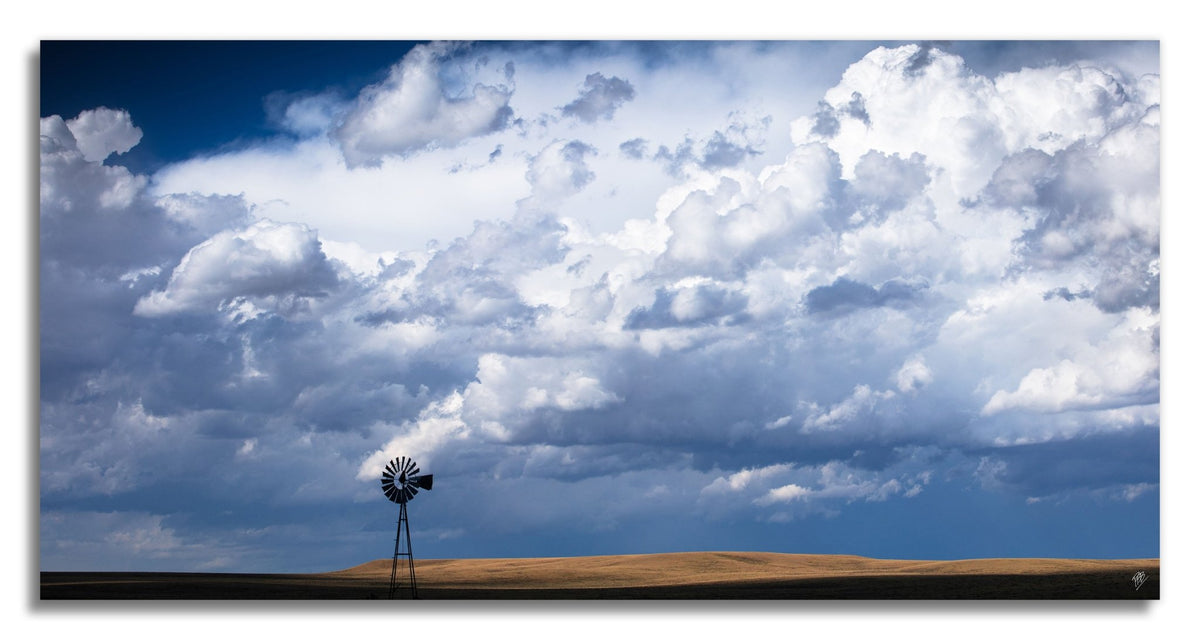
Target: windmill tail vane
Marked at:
400, 483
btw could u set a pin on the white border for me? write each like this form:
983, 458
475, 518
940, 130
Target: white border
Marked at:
27, 23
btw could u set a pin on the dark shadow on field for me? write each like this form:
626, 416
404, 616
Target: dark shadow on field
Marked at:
1110, 585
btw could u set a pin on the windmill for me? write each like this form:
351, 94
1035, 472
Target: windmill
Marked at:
400, 483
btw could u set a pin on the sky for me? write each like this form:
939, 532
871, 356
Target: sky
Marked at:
897, 299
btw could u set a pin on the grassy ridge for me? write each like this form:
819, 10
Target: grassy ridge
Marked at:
709, 575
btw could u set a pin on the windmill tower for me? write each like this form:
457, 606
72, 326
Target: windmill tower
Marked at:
400, 483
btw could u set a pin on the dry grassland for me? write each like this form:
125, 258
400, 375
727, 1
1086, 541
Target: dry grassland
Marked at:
705, 575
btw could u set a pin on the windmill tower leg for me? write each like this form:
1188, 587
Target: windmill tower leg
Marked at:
396, 554
412, 571
402, 522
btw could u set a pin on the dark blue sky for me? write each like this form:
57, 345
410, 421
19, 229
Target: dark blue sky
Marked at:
890, 299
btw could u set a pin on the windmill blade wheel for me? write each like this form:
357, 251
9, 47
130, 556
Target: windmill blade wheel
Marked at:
400, 481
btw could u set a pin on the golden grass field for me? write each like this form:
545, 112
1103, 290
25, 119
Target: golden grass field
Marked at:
698, 575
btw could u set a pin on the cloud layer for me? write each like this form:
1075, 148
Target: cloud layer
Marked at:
943, 281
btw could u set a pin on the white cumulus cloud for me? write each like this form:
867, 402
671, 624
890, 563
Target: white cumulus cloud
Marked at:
102, 132
414, 109
269, 263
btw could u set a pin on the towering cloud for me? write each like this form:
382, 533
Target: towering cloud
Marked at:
416, 108
278, 265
